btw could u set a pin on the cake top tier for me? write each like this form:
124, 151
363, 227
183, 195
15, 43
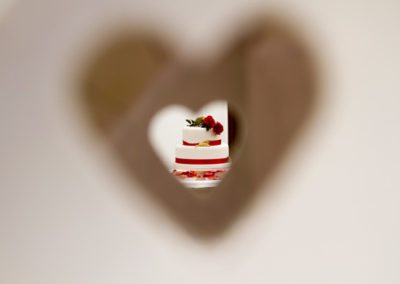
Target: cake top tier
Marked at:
193, 135
203, 128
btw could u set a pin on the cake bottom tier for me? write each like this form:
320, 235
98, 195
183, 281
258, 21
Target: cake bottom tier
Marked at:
203, 167
202, 158
207, 153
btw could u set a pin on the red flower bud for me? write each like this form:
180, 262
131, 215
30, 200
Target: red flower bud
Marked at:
209, 122
218, 128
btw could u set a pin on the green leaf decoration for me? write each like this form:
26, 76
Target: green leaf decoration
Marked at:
191, 122
199, 120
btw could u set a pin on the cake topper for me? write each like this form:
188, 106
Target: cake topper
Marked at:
207, 122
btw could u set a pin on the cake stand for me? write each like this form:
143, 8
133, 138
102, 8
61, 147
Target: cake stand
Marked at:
199, 184
196, 180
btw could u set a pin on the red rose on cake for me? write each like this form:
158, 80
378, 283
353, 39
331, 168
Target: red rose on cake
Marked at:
218, 128
209, 122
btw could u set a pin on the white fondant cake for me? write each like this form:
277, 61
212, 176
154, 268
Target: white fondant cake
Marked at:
202, 150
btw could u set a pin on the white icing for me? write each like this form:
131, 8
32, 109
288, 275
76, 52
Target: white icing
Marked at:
198, 134
189, 167
195, 152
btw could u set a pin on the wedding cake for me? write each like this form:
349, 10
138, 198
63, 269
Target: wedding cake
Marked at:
202, 155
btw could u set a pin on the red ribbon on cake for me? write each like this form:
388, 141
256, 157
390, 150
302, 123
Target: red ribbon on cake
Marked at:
210, 142
202, 161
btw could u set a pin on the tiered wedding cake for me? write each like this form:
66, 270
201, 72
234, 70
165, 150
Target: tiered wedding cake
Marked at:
202, 155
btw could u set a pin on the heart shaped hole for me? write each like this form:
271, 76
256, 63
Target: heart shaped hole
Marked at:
139, 93
196, 147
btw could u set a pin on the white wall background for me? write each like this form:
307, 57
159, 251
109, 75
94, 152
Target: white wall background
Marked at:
65, 212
